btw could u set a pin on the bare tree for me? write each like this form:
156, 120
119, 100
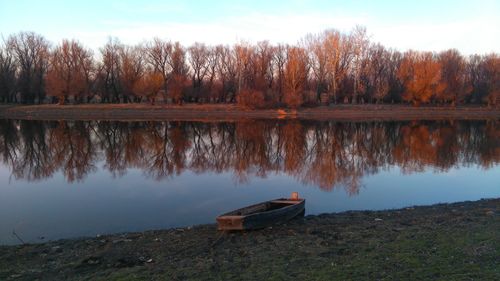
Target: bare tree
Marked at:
31, 53
214, 85
227, 72
264, 67
199, 62
375, 72
109, 71
159, 53
8, 69
280, 60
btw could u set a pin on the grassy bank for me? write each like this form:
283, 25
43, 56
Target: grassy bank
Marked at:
458, 241
232, 112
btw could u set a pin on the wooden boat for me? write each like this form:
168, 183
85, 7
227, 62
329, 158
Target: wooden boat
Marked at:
263, 214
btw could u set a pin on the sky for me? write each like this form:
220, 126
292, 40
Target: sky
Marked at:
469, 26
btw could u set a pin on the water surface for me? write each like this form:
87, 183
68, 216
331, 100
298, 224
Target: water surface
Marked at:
84, 178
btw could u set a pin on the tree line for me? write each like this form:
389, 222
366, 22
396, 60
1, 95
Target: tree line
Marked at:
327, 154
325, 68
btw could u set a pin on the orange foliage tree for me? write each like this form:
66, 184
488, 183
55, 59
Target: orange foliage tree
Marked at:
329, 67
250, 98
420, 75
491, 68
149, 85
69, 71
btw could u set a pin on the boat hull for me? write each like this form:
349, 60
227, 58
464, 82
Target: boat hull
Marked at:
261, 215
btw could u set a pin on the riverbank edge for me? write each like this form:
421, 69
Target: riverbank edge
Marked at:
228, 112
456, 238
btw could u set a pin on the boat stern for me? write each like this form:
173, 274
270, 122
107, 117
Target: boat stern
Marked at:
230, 223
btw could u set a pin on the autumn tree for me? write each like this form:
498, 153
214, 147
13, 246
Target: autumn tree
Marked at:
256, 74
420, 74
359, 41
296, 73
70, 70
453, 77
178, 80
338, 59
491, 69
243, 55
149, 85
319, 56
330, 57
169, 59
31, 52
131, 71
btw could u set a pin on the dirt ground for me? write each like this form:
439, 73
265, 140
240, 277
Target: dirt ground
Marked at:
459, 241
234, 112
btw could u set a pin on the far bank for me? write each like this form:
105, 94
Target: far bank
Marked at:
227, 112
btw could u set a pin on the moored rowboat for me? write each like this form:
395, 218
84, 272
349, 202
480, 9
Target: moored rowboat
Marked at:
263, 214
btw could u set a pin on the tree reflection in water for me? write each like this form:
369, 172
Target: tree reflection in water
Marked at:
327, 154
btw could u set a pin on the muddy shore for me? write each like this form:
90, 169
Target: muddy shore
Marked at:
459, 241
228, 112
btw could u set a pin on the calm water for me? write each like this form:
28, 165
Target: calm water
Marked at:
73, 179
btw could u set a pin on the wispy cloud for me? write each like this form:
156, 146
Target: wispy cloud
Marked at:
476, 35
469, 27
253, 27
479, 35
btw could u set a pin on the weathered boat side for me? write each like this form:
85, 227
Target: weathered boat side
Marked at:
269, 218
261, 215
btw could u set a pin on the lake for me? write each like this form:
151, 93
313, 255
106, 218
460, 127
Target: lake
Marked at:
68, 179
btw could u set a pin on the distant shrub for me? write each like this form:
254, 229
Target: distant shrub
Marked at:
310, 99
250, 99
293, 99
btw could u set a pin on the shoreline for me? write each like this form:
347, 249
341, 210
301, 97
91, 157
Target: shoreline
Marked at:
457, 240
228, 112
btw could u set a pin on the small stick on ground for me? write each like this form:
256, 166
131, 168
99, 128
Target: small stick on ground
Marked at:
17, 236
219, 238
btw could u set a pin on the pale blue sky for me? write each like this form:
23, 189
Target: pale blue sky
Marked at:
470, 26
